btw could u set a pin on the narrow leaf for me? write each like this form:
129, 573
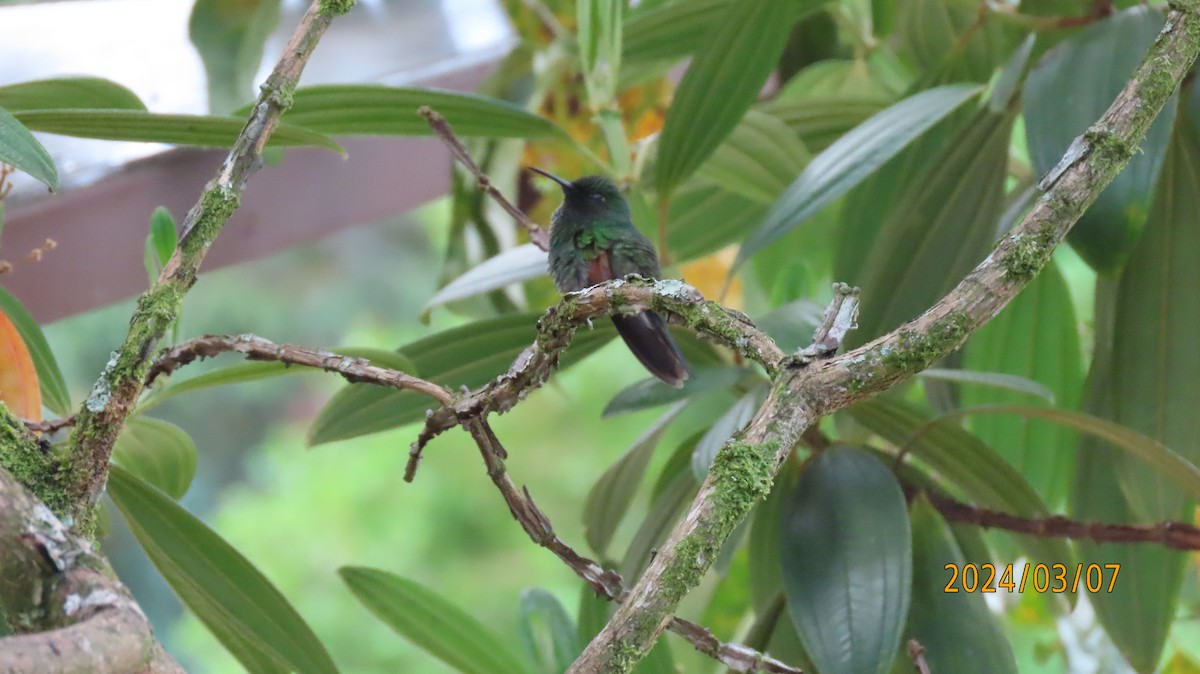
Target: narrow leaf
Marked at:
69, 92
431, 622
230, 37
611, 496
721, 84
991, 380
238, 604
853, 157
724, 428
960, 634
651, 392
673, 490
547, 631
157, 452
761, 157
515, 265
704, 218
20, 149
150, 127
670, 31
847, 562
50, 378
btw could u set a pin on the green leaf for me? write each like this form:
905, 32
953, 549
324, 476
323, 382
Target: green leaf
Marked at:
160, 242
377, 110
469, 355
547, 631
220, 586
19, 148
50, 378
673, 490
599, 33
150, 127
847, 561
652, 392
853, 157
157, 452
761, 157
960, 634
763, 545
1156, 370
669, 31
515, 265
1043, 453
939, 228
720, 86
69, 92
945, 40
1088, 70
962, 460
254, 371
611, 496
1008, 383
432, 623
230, 37
705, 218
734, 419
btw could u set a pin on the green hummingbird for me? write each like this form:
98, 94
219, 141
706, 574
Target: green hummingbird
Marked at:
592, 240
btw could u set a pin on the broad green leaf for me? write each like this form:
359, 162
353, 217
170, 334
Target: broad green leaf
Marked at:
254, 371
21, 150
1088, 69
599, 24
150, 127
962, 460
960, 634
705, 218
230, 37
611, 496
724, 428
432, 623
465, 356
944, 40
847, 561
1156, 366
821, 121
758, 160
1008, 383
674, 488
723, 81
670, 31
766, 566
377, 110
1042, 452
547, 631
940, 227
853, 157
514, 265
651, 392
69, 92
157, 452
220, 586
50, 378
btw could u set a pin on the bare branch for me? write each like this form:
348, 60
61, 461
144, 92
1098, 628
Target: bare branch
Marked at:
917, 652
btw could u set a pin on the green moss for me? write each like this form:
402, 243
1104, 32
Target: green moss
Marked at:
917, 351
336, 7
215, 208
1029, 253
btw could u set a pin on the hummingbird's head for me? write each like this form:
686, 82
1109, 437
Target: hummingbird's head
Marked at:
590, 197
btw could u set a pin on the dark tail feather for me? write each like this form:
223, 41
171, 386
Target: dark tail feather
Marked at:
646, 336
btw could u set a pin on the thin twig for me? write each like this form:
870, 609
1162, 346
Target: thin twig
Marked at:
256, 348
606, 583
917, 652
51, 426
442, 128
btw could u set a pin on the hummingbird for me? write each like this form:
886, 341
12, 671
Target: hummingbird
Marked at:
592, 240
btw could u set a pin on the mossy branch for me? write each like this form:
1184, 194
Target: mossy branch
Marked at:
803, 394
103, 414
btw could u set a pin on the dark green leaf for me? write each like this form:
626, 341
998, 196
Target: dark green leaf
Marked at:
150, 127
611, 496
945, 40
69, 92
724, 428
721, 84
432, 623
651, 392
992, 380
246, 372
704, 218
853, 157
377, 110
547, 631
939, 228
159, 453
1043, 453
761, 157
19, 148
230, 37
766, 566
1088, 70
962, 460
960, 634
50, 378
847, 561
465, 356
673, 490
231, 597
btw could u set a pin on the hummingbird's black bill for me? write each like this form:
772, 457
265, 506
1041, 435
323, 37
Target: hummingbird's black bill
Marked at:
566, 184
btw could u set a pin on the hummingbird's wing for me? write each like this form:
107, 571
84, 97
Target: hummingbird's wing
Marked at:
634, 254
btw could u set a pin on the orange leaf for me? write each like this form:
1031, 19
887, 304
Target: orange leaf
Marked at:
18, 379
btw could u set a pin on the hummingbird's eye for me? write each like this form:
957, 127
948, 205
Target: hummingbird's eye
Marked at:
598, 197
